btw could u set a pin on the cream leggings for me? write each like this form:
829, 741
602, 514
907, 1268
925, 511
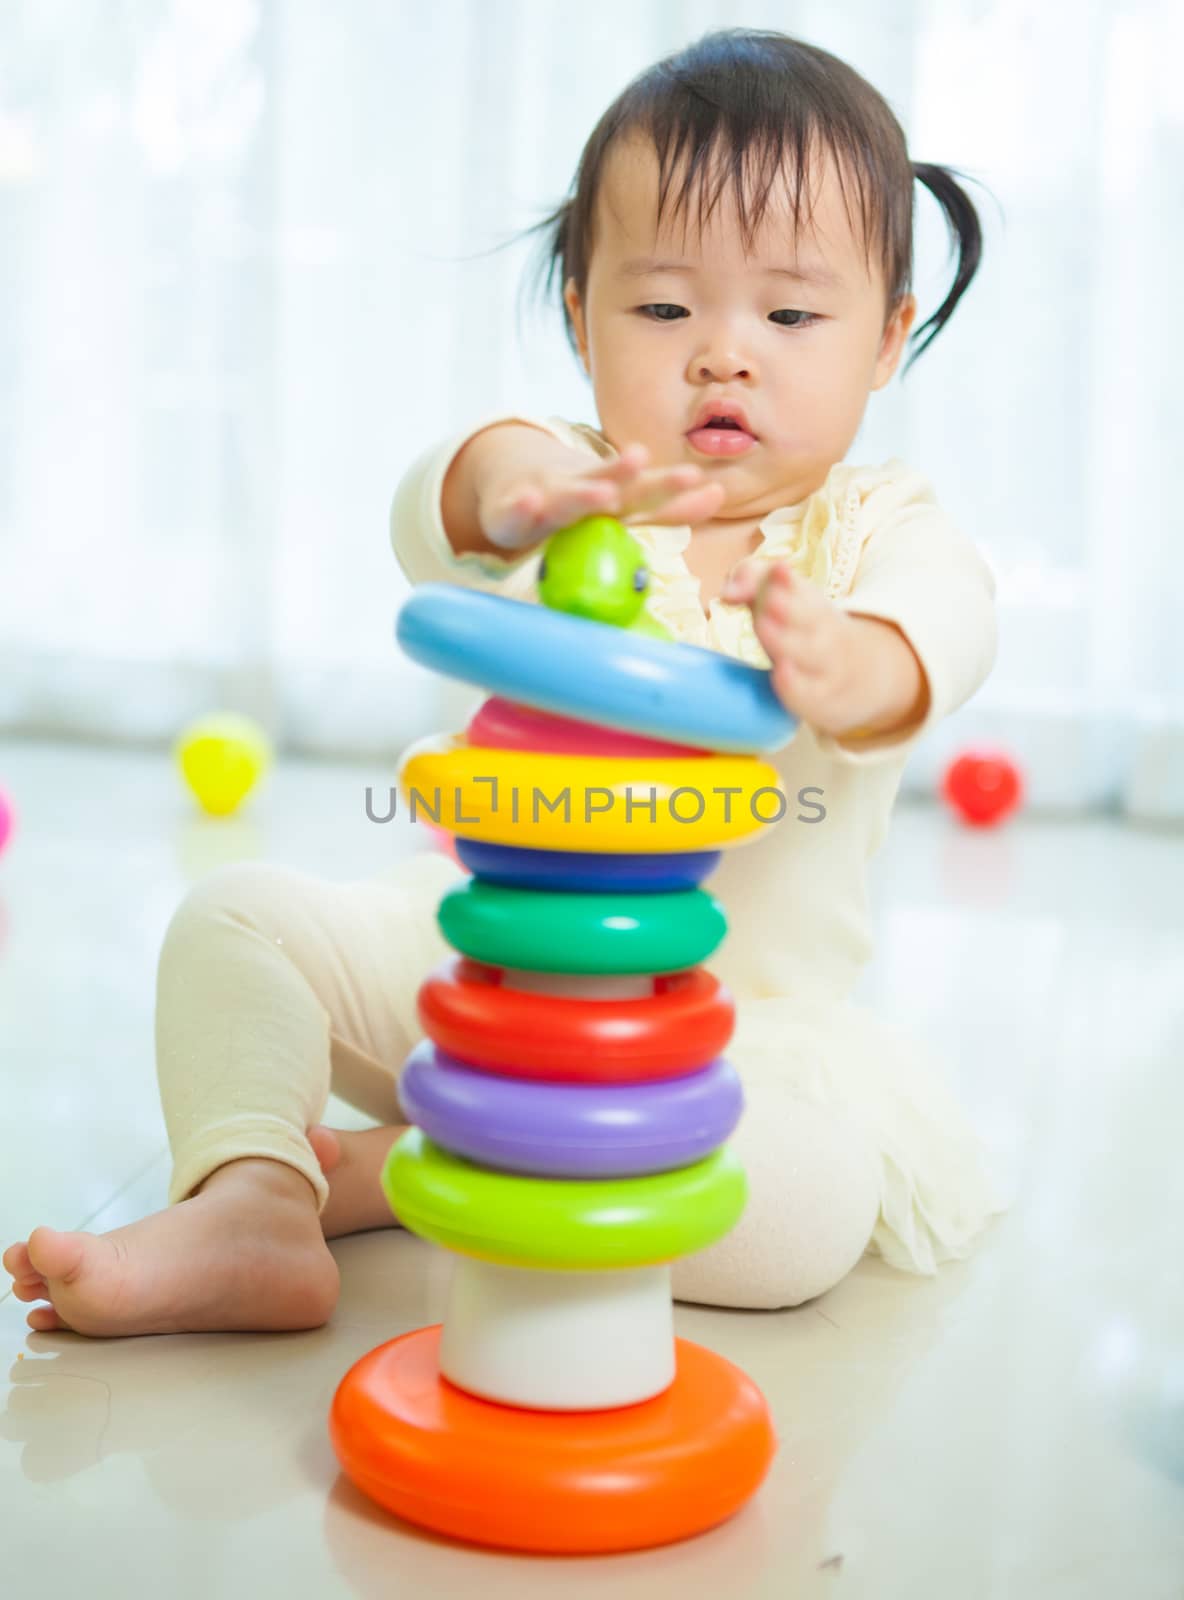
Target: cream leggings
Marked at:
275, 988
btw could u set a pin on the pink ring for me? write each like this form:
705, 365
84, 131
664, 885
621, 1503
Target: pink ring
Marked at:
506, 725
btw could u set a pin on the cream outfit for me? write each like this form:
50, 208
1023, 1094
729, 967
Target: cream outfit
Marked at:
274, 986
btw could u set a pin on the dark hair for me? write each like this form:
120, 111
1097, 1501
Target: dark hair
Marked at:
740, 92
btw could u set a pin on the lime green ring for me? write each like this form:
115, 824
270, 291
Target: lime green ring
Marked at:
553, 931
557, 1223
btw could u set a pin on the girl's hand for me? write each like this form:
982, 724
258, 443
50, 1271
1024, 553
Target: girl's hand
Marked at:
842, 673
530, 507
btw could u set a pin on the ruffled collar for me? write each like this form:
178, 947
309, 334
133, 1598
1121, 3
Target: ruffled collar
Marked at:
820, 538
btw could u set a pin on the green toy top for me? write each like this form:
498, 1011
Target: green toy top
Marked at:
594, 568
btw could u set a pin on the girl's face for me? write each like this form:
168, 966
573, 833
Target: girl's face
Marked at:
671, 323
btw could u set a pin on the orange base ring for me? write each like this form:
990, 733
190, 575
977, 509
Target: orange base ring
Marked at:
574, 1483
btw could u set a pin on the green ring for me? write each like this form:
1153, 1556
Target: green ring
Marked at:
558, 1223
549, 931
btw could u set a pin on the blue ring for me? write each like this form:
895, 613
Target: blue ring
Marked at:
576, 871
592, 670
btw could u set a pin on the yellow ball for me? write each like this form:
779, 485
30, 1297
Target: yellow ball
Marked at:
221, 758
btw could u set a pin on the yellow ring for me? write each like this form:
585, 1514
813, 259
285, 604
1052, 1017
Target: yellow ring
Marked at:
447, 781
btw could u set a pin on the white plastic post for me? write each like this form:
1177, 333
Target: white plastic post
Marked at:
558, 1341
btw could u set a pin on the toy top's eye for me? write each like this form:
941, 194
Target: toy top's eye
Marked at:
641, 580
542, 569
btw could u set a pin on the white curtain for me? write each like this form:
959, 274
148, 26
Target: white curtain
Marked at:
249, 269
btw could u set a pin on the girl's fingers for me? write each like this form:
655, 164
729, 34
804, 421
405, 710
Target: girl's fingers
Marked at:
742, 585
653, 493
582, 500
663, 480
520, 518
697, 505
573, 500
622, 468
659, 496
630, 471
633, 458
789, 648
509, 525
685, 476
624, 487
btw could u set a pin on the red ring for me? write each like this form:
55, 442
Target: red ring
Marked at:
465, 1008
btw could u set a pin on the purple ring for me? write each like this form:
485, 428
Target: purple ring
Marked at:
569, 1130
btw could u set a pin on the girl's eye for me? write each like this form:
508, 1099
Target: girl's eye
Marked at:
807, 318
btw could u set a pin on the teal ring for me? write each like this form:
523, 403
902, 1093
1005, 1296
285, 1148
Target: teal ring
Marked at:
604, 934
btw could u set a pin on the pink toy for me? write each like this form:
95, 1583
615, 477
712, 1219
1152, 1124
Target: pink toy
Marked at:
443, 841
506, 725
7, 819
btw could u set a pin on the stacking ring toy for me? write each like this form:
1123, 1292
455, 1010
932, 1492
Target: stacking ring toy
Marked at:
578, 871
466, 1009
567, 1130
660, 1471
601, 803
593, 670
509, 726
573, 1223
591, 933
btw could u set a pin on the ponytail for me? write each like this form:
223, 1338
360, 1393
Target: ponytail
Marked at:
963, 222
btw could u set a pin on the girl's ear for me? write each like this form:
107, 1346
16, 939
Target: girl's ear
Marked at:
571, 299
893, 340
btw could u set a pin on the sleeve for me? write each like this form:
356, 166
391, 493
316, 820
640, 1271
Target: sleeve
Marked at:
920, 572
417, 528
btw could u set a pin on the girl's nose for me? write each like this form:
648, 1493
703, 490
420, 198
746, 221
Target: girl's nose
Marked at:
720, 356
720, 366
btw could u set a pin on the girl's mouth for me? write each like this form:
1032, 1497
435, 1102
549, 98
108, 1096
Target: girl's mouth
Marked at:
721, 439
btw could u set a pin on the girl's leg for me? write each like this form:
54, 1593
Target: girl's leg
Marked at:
282, 986
813, 1201
269, 981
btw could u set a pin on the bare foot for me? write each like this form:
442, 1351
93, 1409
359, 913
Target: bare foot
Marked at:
352, 1162
244, 1252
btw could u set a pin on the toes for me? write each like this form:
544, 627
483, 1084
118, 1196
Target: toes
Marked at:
16, 1261
44, 1319
27, 1282
56, 1255
30, 1289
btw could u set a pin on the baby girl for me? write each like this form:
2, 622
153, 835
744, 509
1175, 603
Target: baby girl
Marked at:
731, 347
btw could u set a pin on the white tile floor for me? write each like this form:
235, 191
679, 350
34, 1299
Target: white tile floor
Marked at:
1013, 1429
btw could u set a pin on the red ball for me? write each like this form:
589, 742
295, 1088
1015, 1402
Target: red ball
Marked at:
983, 786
